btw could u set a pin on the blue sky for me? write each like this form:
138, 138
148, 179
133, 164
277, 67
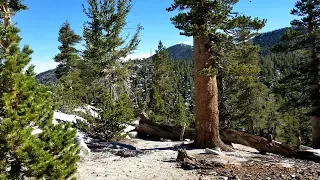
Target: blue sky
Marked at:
40, 24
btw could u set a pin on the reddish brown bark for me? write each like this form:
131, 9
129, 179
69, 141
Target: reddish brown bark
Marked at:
316, 132
206, 99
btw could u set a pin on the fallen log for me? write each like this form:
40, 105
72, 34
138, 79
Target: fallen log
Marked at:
227, 135
260, 143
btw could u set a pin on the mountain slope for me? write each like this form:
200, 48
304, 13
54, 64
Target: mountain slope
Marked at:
47, 77
181, 52
268, 40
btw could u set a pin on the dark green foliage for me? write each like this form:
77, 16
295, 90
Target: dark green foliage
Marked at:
47, 77
24, 105
303, 38
293, 124
65, 154
68, 56
245, 99
161, 69
124, 108
111, 116
161, 88
69, 92
268, 40
157, 106
180, 112
299, 86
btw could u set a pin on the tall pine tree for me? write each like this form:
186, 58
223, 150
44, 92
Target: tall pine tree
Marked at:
303, 37
104, 44
211, 24
161, 88
68, 56
24, 106
69, 88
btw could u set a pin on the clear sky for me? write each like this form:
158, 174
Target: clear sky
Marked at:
40, 24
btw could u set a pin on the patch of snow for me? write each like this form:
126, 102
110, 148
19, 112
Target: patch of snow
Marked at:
135, 123
302, 147
81, 139
316, 152
133, 134
88, 108
83, 136
129, 128
36, 131
62, 117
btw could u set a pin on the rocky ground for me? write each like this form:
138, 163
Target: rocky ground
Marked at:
141, 159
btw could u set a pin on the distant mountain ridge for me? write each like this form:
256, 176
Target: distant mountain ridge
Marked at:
268, 40
180, 52
185, 52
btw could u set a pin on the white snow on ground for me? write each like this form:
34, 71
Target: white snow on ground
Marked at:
80, 137
88, 108
59, 116
36, 131
315, 151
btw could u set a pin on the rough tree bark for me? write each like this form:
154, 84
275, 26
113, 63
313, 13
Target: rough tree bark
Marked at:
206, 99
316, 132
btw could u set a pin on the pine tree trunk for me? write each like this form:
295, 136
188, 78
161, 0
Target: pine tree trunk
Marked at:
316, 132
222, 102
206, 99
182, 132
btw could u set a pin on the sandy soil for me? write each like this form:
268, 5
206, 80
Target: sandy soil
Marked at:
157, 162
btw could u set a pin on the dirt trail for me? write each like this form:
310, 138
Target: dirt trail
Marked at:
157, 162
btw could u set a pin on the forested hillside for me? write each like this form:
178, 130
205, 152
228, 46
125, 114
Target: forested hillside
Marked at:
268, 40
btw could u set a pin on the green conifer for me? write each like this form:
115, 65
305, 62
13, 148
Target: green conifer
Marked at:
68, 56
161, 95
112, 116
180, 112
304, 84
213, 25
24, 105
104, 44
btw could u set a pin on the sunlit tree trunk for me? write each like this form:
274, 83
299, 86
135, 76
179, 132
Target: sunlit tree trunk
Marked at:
206, 99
